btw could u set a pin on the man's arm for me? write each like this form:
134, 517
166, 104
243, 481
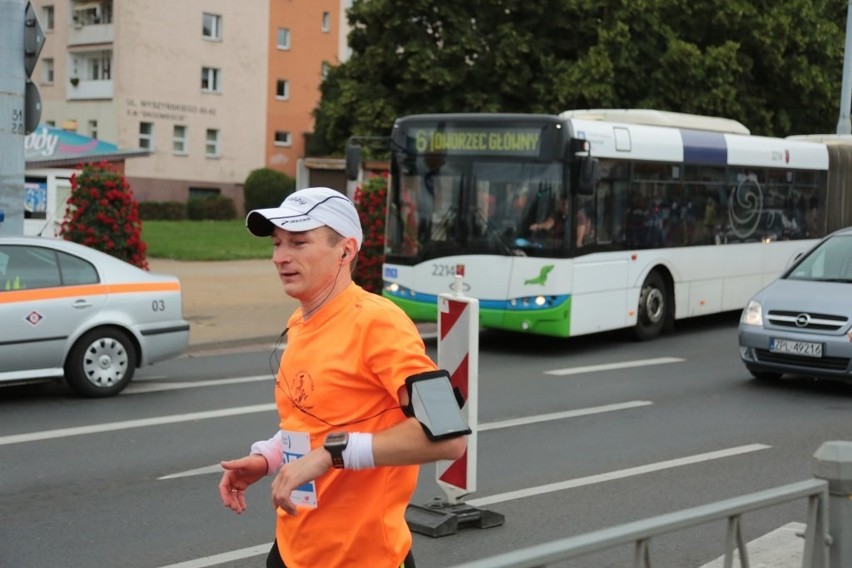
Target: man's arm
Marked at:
402, 444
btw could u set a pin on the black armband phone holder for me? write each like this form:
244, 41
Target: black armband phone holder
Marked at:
436, 405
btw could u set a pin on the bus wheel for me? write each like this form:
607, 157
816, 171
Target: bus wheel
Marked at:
653, 308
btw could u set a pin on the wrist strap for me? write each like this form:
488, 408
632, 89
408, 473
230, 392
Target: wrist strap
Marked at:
359, 451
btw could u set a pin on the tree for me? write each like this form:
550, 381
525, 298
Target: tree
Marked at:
102, 214
266, 187
775, 66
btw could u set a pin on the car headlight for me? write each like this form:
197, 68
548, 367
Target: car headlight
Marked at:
752, 314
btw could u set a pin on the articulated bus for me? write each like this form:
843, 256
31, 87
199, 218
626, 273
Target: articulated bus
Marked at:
589, 221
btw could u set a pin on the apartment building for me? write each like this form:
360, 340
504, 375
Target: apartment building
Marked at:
213, 88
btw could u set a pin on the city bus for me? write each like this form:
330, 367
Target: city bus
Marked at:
587, 221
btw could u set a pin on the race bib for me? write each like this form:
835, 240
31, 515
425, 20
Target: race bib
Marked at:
296, 445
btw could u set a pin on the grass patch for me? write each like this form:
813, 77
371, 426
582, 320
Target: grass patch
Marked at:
203, 240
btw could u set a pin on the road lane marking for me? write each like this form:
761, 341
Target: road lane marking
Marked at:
512, 495
561, 415
128, 424
612, 475
149, 387
217, 559
613, 366
206, 470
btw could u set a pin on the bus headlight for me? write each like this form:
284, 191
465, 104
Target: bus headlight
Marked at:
392, 287
540, 300
752, 314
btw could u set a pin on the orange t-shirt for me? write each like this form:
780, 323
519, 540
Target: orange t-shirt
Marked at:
341, 371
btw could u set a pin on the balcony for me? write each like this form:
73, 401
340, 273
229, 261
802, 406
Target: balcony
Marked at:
87, 89
88, 34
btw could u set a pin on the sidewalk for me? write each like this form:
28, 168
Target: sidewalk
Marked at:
230, 303
234, 303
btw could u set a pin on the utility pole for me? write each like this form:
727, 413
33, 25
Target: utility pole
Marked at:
843, 124
21, 40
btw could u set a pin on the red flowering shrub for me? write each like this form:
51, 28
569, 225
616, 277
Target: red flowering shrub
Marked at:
102, 214
370, 199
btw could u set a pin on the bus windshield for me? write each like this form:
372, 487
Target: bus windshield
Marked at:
444, 206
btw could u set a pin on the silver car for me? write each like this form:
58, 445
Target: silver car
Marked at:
69, 311
801, 324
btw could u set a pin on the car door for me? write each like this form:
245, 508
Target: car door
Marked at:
45, 295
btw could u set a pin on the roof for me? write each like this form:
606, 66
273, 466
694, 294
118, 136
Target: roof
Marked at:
50, 147
652, 117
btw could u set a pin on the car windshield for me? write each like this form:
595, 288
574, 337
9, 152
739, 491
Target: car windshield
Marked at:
830, 261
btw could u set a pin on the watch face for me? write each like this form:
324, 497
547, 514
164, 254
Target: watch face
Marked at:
336, 438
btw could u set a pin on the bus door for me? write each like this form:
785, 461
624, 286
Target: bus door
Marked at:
601, 271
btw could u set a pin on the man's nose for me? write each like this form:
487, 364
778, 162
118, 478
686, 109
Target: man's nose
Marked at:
280, 255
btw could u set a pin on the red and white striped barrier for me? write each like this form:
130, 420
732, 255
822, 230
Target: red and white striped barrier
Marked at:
458, 353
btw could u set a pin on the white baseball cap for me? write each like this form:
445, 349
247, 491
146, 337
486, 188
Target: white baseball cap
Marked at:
308, 209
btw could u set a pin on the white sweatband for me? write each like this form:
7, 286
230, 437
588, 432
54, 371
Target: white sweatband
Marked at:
359, 451
271, 449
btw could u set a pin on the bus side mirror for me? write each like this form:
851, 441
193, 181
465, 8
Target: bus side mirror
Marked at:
587, 175
353, 161
578, 154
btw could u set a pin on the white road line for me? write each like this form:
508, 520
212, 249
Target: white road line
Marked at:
216, 468
560, 415
217, 559
148, 387
206, 470
129, 424
618, 474
612, 366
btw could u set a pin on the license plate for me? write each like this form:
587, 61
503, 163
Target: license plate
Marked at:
803, 348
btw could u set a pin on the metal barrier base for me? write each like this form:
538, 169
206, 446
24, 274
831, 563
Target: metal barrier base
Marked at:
441, 518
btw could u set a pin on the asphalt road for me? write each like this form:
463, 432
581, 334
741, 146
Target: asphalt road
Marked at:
131, 481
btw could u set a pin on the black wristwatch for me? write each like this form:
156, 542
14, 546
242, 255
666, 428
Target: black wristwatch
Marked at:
335, 443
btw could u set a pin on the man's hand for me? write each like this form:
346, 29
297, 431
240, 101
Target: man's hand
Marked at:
296, 473
239, 474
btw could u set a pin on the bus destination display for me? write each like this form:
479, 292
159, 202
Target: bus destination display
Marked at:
516, 141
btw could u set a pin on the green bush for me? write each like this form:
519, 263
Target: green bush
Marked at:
162, 210
266, 187
211, 208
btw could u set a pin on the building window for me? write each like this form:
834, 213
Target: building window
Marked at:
282, 89
204, 192
146, 135
211, 145
179, 139
47, 16
211, 26
47, 70
326, 21
50, 123
325, 69
93, 128
211, 79
283, 38
87, 14
283, 138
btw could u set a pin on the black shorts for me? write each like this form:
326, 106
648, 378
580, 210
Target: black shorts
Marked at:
274, 559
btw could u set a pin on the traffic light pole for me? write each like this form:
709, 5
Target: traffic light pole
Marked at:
13, 80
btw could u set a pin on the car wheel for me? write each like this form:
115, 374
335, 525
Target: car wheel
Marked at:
101, 363
653, 308
764, 375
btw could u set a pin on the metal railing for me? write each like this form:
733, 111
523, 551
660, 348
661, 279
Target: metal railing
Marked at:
640, 533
